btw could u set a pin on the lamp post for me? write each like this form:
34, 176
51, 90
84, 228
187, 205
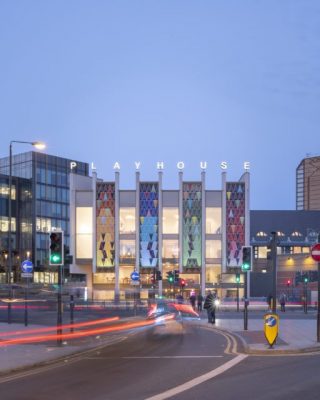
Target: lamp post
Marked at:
39, 146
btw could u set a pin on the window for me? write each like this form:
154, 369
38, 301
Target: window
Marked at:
213, 220
170, 249
213, 248
127, 220
84, 232
127, 251
170, 220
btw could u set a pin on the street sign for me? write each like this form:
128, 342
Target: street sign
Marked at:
26, 267
271, 327
26, 274
315, 252
135, 276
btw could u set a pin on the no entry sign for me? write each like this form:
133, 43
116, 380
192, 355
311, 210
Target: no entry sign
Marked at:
315, 252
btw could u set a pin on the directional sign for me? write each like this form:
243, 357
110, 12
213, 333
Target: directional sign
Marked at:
135, 276
26, 274
26, 267
271, 327
315, 252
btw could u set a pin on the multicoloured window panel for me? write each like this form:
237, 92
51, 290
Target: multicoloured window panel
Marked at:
149, 224
235, 224
105, 225
192, 217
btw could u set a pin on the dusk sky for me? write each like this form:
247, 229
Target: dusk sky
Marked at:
166, 80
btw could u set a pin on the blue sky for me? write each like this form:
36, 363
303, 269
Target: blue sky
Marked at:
169, 80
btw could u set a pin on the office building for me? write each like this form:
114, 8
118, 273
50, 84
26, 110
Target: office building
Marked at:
308, 184
44, 179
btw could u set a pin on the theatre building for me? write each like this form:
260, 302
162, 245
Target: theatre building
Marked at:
151, 231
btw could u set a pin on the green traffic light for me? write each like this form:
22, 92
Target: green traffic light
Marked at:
55, 258
170, 279
245, 267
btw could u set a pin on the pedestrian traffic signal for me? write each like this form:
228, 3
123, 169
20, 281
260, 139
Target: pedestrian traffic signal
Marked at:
56, 248
306, 279
246, 258
158, 276
288, 282
170, 277
176, 275
182, 283
238, 278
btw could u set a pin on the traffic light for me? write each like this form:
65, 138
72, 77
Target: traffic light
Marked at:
238, 278
170, 277
176, 275
158, 276
246, 258
182, 283
288, 282
56, 248
305, 279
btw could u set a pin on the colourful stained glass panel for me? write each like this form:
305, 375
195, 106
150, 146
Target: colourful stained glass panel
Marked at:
105, 225
192, 220
149, 228
235, 223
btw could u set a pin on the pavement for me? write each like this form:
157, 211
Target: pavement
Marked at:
294, 336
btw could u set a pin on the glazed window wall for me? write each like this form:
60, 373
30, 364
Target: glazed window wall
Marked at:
127, 251
4, 224
170, 249
213, 273
213, 220
84, 232
124, 275
170, 219
127, 220
4, 190
213, 248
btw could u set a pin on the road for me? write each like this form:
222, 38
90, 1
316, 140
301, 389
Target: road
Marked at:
191, 359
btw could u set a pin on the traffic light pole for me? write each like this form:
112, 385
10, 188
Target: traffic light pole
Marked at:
245, 309
59, 305
238, 283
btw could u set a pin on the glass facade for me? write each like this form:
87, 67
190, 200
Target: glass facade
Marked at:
170, 218
45, 203
21, 223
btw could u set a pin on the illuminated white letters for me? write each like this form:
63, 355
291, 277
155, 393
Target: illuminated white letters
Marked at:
160, 165
137, 164
224, 165
93, 167
203, 164
246, 165
116, 165
73, 164
180, 165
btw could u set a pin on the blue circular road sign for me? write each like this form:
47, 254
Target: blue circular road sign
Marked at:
271, 321
26, 266
135, 276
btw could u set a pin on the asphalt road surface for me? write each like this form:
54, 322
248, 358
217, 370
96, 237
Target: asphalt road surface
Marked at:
175, 361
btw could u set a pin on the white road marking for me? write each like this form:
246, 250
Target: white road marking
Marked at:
174, 357
200, 379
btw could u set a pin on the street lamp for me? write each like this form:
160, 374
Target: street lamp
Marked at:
39, 146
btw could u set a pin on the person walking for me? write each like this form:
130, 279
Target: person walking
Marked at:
209, 305
199, 302
193, 300
282, 301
